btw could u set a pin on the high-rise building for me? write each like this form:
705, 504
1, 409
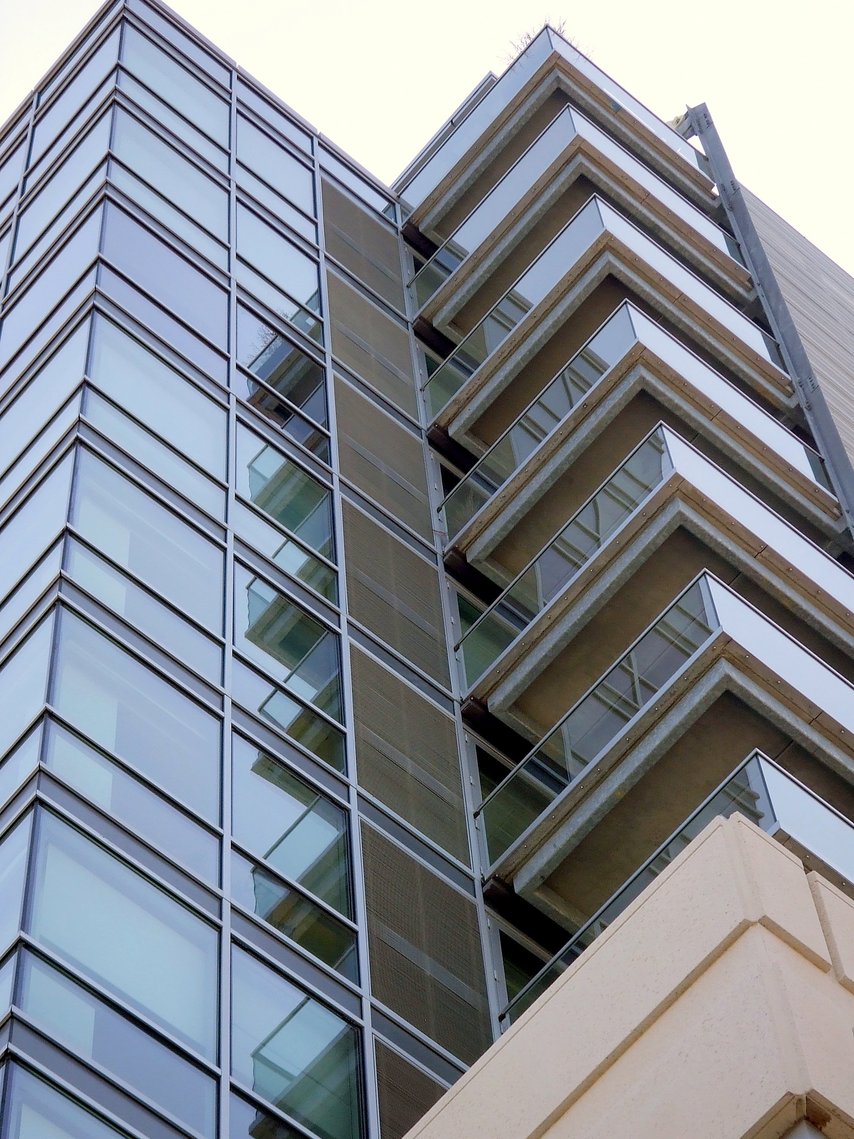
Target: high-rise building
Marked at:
392, 583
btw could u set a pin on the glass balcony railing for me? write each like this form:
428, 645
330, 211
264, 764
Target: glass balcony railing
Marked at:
706, 611
759, 789
427, 176
542, 417
553, 568
602, 714
553, 265
537, 160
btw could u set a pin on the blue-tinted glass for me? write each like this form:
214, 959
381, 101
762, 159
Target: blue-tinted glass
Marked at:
23, 683
275, 165
175, 83
293, 1051
273, 117
294, 827
299, 651
124, 933
19, 764
292, 497
32, 585
11, 168
276, 204
126, 799
136, 532
7, 981
171, 32
170, 278
137, 715
38, 1110
159, 396
162, 114
34, 526
13, 867
91, 1028
52, 384
281, 262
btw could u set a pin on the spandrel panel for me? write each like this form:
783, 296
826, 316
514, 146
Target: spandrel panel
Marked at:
135, 714
175, 83
136, 532
38, 1110
91, 1028
13, 867
164, 274
160, 397
34, 526
284, 491
293, 1051
276, 360
23, 683
285, 821
299, 651
123, 932
123, 797
275, 165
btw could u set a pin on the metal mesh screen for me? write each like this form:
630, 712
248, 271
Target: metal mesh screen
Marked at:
368, 248
382, 459
408, 755
425, 949
405, 1093
394, 593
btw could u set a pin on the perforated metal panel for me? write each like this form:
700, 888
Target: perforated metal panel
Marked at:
407, 754
425, 948
394, 593
405, 1092
382, 459
371, 344
368, 248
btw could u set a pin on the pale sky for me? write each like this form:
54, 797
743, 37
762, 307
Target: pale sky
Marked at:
378, 77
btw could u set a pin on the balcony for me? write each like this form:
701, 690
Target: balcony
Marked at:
626, 342
767, 795
707, 644
483, 363
536, 179
663, 484
423, 183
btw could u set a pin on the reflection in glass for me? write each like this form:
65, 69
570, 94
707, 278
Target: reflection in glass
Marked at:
92, 1029
38, 1110
301, 652
132, 712
294, 718
147, 539
293, 1051
294, 915
287, 553
280, 261
291, 496
126, 934
250, 1122
124, 798
293, 827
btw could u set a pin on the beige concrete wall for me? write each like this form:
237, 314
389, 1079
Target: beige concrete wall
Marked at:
720, 1004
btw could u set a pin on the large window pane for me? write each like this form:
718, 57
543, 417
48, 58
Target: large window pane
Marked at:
163, 74
250, 1122
35, 524
33, 584
280, 261
38, 1110
295, 828
275, 165
135, 714
13, 868
159, 396
290, 555
293, 1051
44, 394
150, 541
286, 492
166, 275
20, 764
23, 683
88, 1026
297, 649
143, 811
163, 114
116, 927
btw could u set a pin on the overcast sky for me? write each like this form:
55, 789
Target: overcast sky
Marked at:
378, 77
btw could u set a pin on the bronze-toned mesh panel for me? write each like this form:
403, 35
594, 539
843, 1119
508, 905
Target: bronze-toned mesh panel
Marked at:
405, 1092
426, 958
371, 344
394, 593
368, 248
408, 756
383, 459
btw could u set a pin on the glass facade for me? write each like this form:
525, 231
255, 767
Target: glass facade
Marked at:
252, 775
